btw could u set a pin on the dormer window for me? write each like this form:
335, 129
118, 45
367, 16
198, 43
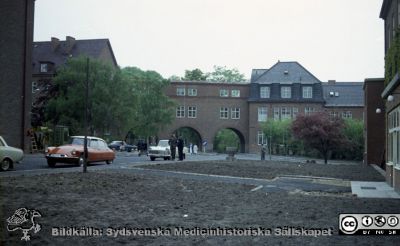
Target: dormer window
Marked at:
286, 92
44, 67
307, 92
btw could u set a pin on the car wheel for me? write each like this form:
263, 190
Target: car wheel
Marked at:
6, 164
51, 163
109, 161
80, 161
152, 158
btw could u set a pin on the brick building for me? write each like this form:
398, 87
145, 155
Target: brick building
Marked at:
16, 37
390, 13
281, 92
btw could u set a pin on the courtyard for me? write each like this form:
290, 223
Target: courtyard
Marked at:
176, 203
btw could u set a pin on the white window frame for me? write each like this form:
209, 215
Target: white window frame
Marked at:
262, 114
180, 112
223, 93
235, 93
261, 138
224, 113
44, 67
286, 113
192, 92
277, 115
286, 92
180, 91
265, 92
295, 112
308, 110
235, 113
347, 115
192, 112
393, 139
307, 92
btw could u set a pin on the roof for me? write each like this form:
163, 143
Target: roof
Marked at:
285, 73
94, 48
343, 94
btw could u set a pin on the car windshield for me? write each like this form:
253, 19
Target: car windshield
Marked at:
76, 141
163, 143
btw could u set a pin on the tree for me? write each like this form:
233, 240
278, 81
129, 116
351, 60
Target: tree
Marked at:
319, 131
354, 134
222, 74
226, 138
152, 109
109, 99
195, 75
278, 132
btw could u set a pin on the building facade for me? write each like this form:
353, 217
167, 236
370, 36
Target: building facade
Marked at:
281, 92
16, 37
48, 56
390, 13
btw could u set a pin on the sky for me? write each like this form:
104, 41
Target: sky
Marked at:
341, 39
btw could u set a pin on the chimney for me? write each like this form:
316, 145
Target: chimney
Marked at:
331, 82
55, 42
69, 44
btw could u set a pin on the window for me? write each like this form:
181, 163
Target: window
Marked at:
308, 110
34, 86
261, 138
264, 92
235, 93
333, 114
295, 111
347, 115
235, 113
94, 143
393, 139
192, 112
224, 113
286, 92
262, 114
180, 112
223, 93
285, 113
276, 114
192, 92
180, 91
43, 67
307, 92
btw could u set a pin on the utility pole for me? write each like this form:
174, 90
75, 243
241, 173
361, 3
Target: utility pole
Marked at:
85, 144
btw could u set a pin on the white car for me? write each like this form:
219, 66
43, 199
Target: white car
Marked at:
162, 150
9, 155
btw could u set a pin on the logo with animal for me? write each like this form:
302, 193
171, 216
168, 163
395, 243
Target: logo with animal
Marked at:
24, 219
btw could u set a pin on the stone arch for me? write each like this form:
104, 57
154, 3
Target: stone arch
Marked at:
196, 132
240, 135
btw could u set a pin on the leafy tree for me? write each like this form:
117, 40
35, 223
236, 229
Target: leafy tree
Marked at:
152, 109
195, 75
174, 78
354, 134
222, 74
278, 133
109, 99
226, 138
319, 131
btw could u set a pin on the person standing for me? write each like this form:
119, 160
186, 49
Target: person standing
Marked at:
195, 148
180, 148
172, 145
263, 151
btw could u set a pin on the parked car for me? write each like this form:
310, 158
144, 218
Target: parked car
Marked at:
162, 150
121, 146
73, 152
9, 155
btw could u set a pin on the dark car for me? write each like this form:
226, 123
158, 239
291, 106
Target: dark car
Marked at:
121, 146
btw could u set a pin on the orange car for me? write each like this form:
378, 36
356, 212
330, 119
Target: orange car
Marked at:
73, 152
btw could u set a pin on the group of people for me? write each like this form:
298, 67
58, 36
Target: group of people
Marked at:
176, 142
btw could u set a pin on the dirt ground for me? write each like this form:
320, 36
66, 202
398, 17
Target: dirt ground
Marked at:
121, 199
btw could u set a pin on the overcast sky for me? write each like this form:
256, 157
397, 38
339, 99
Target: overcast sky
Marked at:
339, 39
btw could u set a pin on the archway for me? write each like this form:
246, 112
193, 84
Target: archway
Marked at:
229, 137
190, 136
